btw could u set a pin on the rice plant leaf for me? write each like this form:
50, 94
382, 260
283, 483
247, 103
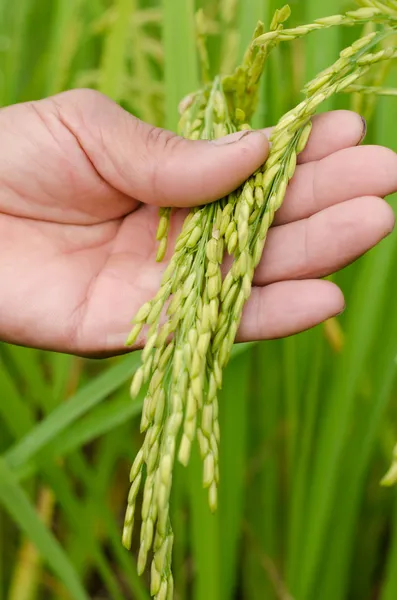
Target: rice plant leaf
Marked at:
64, 40
339, 410
98, 422
301, 476
15, 21
181, 67
114, 58
204, 534
16, 503
104, 419
264, 508
341, 540
80, 524
27, 364
14, 412
233, 422
389, 588
93, 393
99, 525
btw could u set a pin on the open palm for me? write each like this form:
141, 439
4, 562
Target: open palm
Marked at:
80, 182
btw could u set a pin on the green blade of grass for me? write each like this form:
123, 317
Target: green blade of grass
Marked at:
115, 51
367, 424
363, 318
181, 67
233, 422
16, 25
341, 540
65, 36
65, 371
344, 541
14, 412
32, 68
204, 536
215, 538
301, 476
365, 313
14, 500
79, 527
262, 541
102, 527
389, 587
291, 399
66, 414
180, 520
95, 425
27, 365
98, 422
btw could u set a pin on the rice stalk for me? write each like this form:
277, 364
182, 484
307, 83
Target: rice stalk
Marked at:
192, 322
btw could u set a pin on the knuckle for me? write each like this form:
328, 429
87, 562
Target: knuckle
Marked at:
160, 147
158, 140
81, 95
76, 104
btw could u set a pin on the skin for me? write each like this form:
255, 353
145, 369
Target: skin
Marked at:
80, 183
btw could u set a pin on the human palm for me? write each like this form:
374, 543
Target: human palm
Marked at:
80, 182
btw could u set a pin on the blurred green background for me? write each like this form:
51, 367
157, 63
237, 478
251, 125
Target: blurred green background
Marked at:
308, 423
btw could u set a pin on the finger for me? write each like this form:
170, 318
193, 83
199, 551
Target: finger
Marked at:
332, 131
347, 174
325, 242
153, 165
288, 307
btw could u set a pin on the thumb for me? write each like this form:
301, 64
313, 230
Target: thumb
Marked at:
153, 165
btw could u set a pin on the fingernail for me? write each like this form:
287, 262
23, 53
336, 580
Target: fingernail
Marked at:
364, 133
233, 138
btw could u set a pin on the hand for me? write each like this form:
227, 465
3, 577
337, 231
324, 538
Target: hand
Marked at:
80, 182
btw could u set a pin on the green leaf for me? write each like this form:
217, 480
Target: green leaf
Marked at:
181, 67
115, 52
233, 409
66, 414
14, 500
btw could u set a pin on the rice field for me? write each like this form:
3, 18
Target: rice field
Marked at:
308, 423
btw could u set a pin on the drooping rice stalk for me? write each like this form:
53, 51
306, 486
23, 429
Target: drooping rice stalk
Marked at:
193, 320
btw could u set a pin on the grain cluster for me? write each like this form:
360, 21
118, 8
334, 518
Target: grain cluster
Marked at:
192, 322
